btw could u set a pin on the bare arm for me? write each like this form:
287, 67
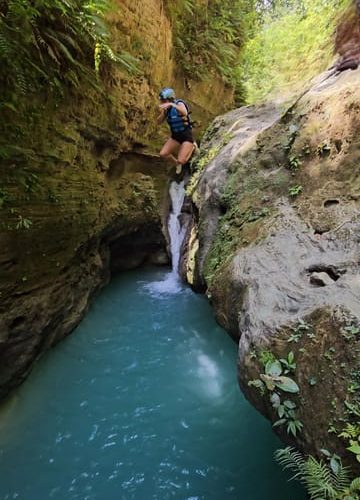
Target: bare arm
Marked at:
181, 108
161, 116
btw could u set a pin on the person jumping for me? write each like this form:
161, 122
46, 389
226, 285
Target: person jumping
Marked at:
176, 112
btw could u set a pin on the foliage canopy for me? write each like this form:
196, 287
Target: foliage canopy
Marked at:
291, 43
52, 43
208, 35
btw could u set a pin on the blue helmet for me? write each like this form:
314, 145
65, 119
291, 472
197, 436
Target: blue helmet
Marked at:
167, 93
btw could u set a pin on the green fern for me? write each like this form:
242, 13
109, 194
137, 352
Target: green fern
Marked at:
52, 41
291, 459
207, 37
321, 481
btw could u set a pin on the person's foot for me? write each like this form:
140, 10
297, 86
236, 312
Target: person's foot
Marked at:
178, 169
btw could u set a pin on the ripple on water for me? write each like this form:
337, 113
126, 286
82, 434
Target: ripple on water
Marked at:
141, 403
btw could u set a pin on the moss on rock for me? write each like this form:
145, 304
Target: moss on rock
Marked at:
278, 222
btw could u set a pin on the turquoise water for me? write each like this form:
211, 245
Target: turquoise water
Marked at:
141, 402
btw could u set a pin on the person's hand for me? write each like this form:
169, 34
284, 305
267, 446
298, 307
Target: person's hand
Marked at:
166, 105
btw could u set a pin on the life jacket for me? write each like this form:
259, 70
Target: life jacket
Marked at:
177, 122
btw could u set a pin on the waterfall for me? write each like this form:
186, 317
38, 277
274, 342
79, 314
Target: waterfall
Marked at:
176, 232
172, 284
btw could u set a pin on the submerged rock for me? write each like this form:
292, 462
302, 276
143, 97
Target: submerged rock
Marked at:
275, 243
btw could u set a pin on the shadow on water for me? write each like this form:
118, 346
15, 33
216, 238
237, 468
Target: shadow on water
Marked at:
141, 402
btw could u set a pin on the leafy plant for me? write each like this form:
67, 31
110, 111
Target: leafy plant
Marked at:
295, 190
350, 332
352, 434
47, 42
23, 223
266, 356
258, 384
289, 363
273, 379
49, 48
294, 163
333, 459
322, 481
293, 129
298, 331
4, 196
29, 181
208, 36
286, 413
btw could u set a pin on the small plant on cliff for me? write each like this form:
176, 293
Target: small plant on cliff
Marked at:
23, 223
298, 331
273, 379
322, 481
289, 363
266, 356
294, 163
294, 130
286, 413
4, 197
295, 190
350, 332
352, 434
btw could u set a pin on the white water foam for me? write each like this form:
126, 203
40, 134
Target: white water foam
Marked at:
171, 284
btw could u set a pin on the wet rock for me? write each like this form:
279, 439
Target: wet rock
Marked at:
280, 266
87, 197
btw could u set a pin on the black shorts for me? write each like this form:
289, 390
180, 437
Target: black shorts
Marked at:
185, 136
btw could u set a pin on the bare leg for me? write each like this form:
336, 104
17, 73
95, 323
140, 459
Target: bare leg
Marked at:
184, 155
168, 150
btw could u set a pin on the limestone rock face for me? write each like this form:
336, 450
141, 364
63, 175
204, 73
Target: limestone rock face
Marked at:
275, 244
94, 225
347, 41
83, 194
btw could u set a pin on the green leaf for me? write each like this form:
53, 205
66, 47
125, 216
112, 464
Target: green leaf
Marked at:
275, 400
291, 428
355, 448
287, 384
281, 411
326, 452
335, 465
273, 368
279, 422
290, 404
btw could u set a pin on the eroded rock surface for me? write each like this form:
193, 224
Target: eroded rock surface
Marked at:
82, 195
275, 244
